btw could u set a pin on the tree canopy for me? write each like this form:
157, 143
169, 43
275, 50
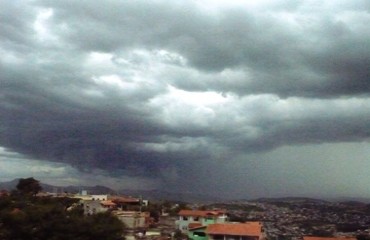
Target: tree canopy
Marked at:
29, 186
50, 218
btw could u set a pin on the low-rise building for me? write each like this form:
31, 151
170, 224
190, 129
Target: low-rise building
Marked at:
228, 231
100, 197
90, 197
133, 219
128, 203
197, 233
235, 231
197, 218
97, 206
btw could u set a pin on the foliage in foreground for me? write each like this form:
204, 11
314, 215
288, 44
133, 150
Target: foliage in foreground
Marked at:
39, 218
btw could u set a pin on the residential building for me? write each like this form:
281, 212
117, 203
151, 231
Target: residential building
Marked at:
97, 206
228, 231
108, 204
99, 197
235, 231
197, 218
128, 203
133, 219
85, 197
197, 233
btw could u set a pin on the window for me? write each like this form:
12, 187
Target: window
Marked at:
218, 237
184, 218
232, 238
196, 218
199, 234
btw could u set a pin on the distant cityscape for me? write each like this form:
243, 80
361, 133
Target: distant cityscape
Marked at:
268, 219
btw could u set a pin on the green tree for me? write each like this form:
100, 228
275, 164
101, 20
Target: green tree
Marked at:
46, 218
29, 186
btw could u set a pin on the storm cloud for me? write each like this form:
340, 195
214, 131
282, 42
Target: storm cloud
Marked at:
164, 91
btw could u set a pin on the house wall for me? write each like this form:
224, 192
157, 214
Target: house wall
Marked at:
213, 219
183, 222
93, 207
99, 197
132, 219
132, 222
198, 234
82, 197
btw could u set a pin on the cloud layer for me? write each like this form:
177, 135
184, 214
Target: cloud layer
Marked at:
166, 90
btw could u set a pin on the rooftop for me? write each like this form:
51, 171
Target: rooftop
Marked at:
236, 229
107, 203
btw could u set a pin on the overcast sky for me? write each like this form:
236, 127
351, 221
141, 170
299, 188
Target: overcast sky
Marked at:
231, 98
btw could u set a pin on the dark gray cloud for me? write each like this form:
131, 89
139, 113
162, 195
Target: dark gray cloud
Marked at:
312, 49
166, 91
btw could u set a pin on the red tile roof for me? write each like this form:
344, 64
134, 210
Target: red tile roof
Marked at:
235, 229
194, 225
201, 213
108, 203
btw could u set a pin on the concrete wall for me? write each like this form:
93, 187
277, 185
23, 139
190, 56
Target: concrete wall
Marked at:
93, 207
132, 219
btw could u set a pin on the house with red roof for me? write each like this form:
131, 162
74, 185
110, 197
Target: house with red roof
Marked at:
97, 206
197, 218
228, 231
235, 231
128, 203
